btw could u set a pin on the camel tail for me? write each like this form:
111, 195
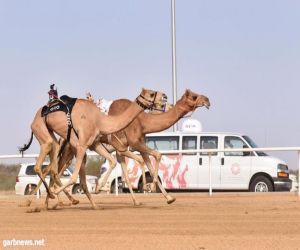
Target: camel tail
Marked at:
26, 146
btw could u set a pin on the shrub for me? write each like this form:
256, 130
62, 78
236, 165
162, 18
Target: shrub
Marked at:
8, 175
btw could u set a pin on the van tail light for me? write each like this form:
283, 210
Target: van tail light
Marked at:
17, 178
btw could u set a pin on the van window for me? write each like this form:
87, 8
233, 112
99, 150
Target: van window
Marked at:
163, 142
235, 142
209, 142
253, 145
189, 142
30, 170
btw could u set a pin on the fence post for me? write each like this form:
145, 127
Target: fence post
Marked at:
210, 173
116, 182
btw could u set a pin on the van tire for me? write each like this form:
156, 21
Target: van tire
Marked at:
77, 189
120, 186
261, 184
149, 181
27, 191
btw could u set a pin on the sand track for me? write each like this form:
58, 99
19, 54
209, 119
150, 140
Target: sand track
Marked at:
194, 221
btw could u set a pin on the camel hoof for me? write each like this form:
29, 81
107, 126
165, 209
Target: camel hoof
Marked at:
75, 202
137, 203
61, 204
97, 191
170, 199
34, 210
26, 204
54, 207
51, 196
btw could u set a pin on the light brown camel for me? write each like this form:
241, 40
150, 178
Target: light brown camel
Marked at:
159, 105
89, 124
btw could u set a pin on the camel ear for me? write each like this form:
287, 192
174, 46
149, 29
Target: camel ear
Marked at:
187, 92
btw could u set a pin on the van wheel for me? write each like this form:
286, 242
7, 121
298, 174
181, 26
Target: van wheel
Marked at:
29, 190
77, 190
120, 186
261, 184
149, 181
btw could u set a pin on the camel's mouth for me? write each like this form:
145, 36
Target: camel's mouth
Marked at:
164, 98
207, 105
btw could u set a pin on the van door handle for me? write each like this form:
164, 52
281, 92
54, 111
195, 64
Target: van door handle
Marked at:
222, 161
200, 161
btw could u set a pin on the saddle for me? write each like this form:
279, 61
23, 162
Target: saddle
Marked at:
64, 103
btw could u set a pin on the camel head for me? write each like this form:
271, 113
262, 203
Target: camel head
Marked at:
149, 98
194, 100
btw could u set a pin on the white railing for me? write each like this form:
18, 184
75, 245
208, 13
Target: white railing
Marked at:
209, 151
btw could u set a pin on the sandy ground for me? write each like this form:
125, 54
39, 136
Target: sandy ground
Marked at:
194, 221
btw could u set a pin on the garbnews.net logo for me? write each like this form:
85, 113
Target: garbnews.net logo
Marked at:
14, 242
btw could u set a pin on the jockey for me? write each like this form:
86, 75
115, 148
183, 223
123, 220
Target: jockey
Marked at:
53, 95
101, 103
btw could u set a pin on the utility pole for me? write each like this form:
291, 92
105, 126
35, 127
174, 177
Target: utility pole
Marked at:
174, 69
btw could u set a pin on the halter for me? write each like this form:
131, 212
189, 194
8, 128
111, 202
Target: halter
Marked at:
161, 110
143, 105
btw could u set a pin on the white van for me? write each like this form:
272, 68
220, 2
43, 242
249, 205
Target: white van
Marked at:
27, 180
253, 171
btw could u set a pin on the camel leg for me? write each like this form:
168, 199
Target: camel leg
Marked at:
45, 150
83, 185
141, 162
100, 149
63, 163
80, 154
53, 166
142, 148
125, 173
169, 198
45, 172
157, 157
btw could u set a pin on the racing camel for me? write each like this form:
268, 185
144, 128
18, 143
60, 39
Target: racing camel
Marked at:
89, 124
159, 105
133, 135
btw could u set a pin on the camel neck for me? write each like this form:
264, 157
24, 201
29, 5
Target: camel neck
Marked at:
108, 124
159, 122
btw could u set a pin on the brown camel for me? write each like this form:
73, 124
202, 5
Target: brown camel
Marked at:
89, 124
134, 134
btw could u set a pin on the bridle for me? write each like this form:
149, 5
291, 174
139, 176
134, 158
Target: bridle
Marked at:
150, 106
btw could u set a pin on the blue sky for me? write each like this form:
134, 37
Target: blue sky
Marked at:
244, 55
